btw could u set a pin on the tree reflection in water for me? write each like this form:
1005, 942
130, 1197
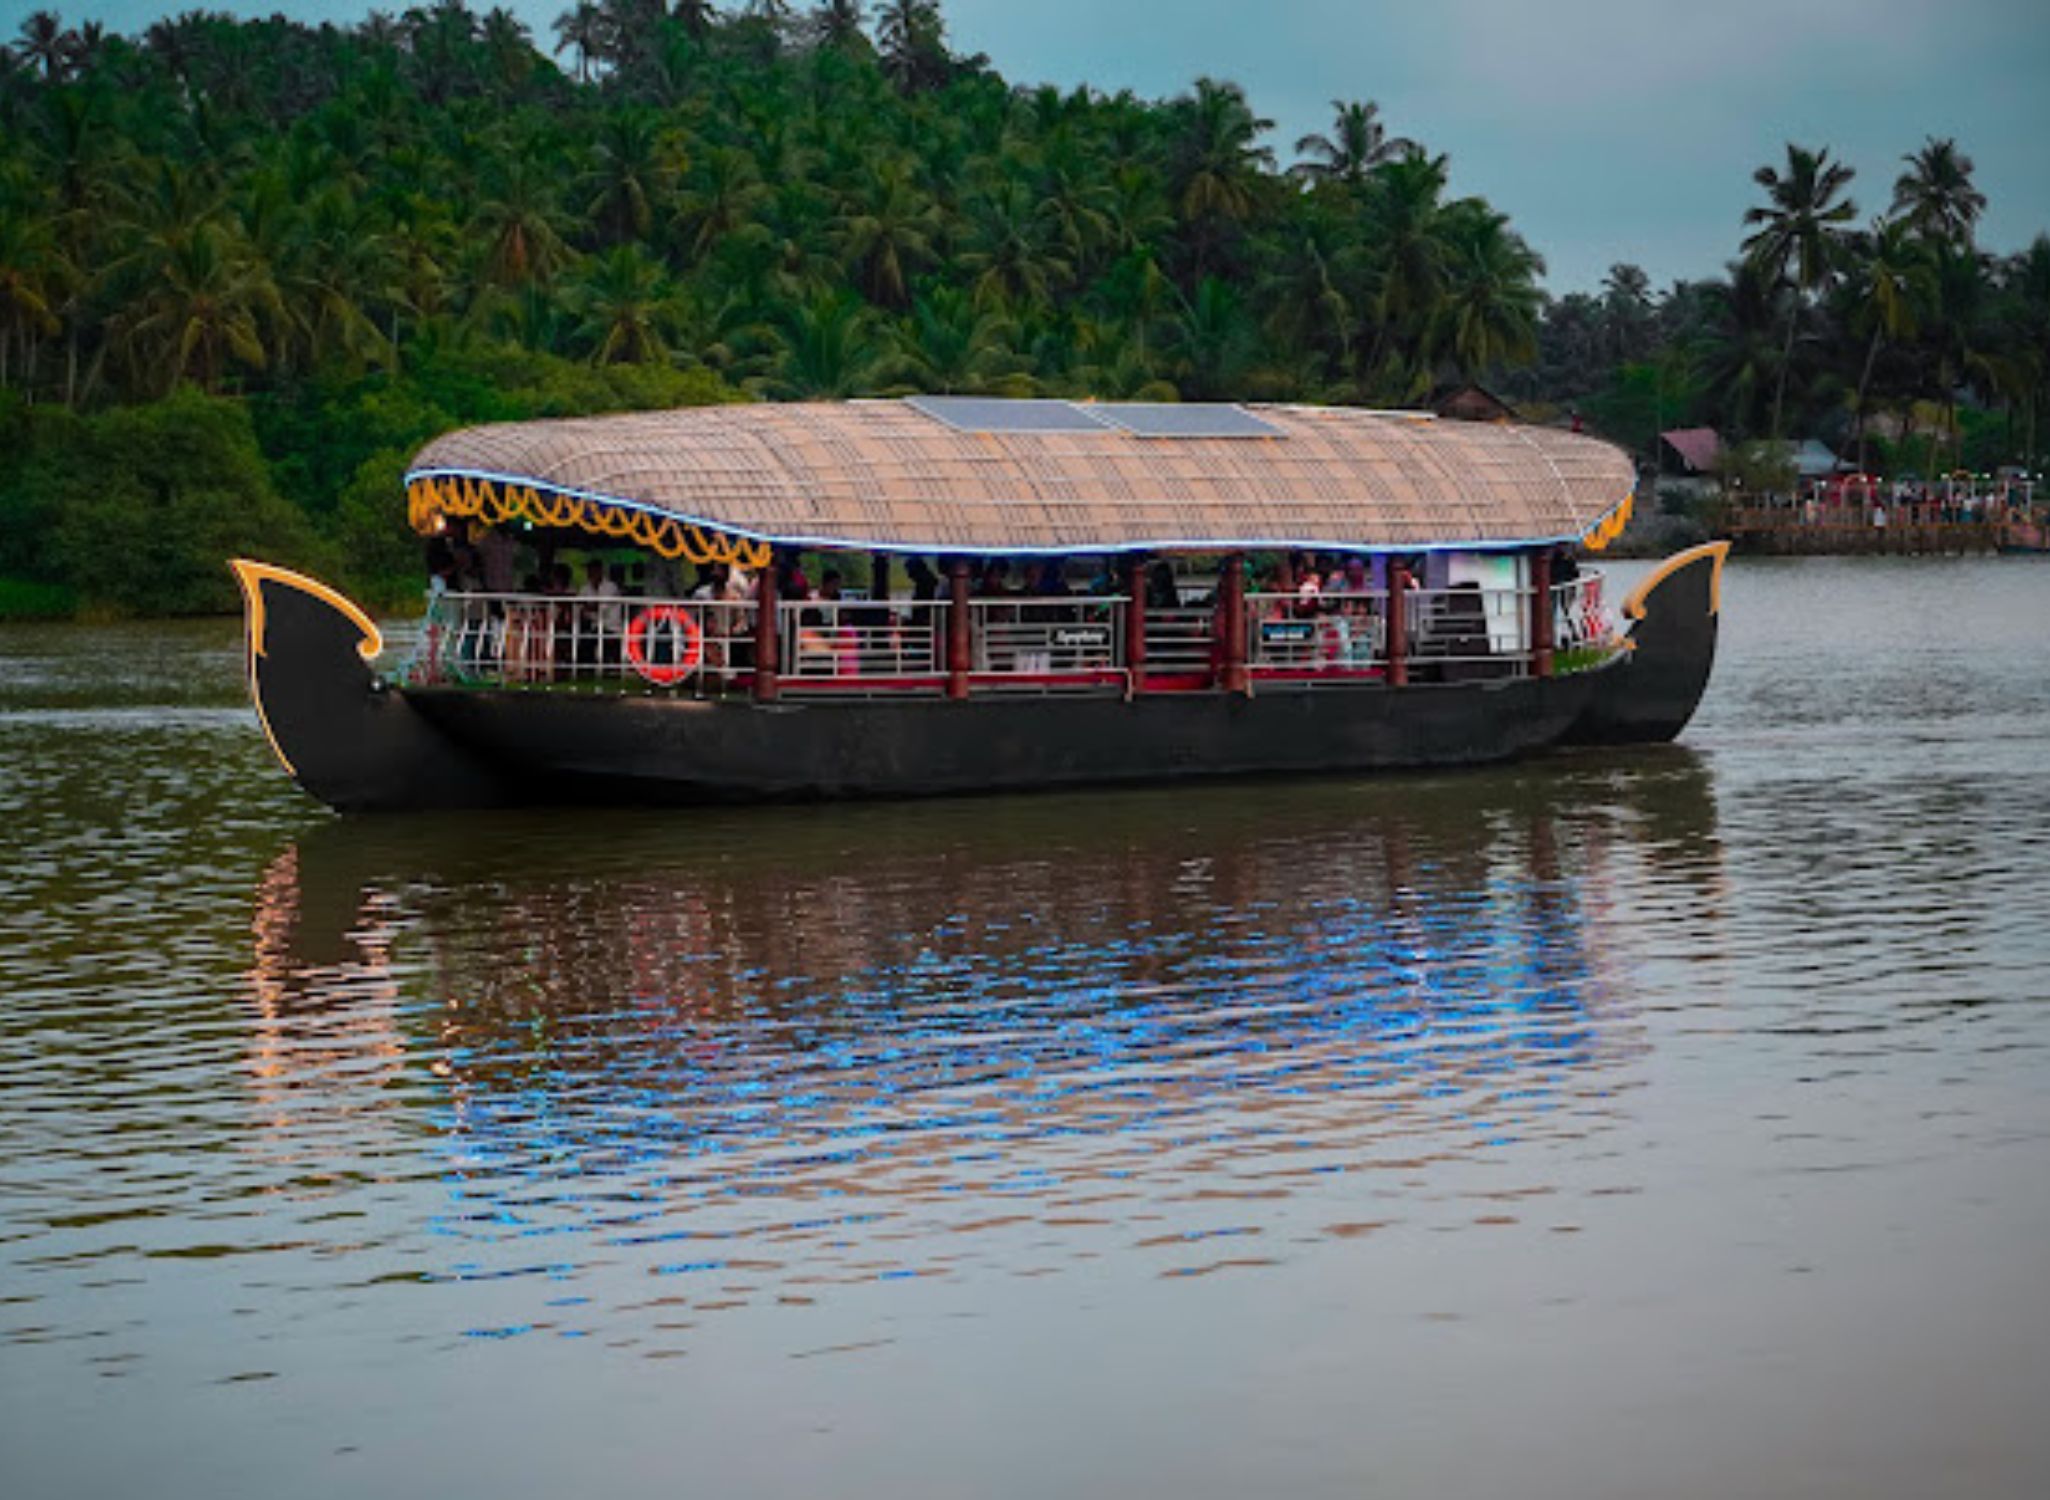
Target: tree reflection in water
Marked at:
774, 1048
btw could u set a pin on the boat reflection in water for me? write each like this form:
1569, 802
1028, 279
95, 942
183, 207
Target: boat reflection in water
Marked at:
775, 1048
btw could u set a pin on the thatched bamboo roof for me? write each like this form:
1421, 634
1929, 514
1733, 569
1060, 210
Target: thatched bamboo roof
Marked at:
893, 475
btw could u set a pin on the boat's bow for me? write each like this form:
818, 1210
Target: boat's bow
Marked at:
1649, 695
345, 735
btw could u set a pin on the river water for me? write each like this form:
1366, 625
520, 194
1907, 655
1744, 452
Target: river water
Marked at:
1649, 1123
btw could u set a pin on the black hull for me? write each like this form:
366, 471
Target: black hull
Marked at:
639, 749
1648, 697
359, 745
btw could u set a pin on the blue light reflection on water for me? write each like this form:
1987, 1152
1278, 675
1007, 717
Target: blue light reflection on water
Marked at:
959, 1062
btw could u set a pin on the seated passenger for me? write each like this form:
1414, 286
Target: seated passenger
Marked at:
497, 561
528, 654
593, 618
1162, 592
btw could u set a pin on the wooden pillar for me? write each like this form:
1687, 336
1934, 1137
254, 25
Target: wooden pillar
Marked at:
1398, 624
879, 577
765, 634
1135, 622
1231, 599
1541, 613
960, 647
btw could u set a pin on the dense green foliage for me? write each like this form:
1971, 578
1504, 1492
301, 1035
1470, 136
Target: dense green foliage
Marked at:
1902, 343
247, 267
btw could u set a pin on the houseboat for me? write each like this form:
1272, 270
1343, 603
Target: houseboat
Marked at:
949, 595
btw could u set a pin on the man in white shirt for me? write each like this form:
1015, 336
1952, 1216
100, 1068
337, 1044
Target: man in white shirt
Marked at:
497, 561
604, 623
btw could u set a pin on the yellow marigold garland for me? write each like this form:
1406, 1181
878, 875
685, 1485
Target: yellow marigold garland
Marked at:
494, 503
1610, 526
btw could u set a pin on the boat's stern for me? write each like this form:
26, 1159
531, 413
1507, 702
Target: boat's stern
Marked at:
337, 728
1649, 695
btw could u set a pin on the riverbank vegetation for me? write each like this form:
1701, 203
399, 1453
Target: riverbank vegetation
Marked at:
247, 267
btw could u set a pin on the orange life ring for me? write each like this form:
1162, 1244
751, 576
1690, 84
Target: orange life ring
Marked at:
663, 674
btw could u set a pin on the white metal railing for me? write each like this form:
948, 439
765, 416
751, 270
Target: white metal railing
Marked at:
822, 641
700, 646
1180, 642
1581, 616
1467, 631
541, 640
1042, 638
1328, 632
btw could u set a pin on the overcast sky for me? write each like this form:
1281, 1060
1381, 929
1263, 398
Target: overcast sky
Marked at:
1608, 129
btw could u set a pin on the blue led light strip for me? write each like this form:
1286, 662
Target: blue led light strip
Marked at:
854, 544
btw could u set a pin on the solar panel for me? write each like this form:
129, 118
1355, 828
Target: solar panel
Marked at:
994, 414
1192, 419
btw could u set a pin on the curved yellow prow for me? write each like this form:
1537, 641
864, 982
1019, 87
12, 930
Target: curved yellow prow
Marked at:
253, 575
1634, 605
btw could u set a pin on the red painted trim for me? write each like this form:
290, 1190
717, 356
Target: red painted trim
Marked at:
1318, 674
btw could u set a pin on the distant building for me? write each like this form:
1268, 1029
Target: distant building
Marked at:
1470, 403
1814, 460
1692, 450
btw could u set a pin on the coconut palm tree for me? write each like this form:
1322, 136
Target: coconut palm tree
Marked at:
951, 344
2026, 284
911, 40
379, 31
1403, 266
1112, 361
1307, 309
1892, 281
1627, 311
1216, 159
1214, 343
1079, 203
1955, 339
837, 24
1741, 340
632, 31
518, 226
1358, 143
1488, 316
168, 40
581, 30
201, 310
29, 278
636, 165
826, 348
510, 46
889, 236
626, 306
1936, 196
45, 45
1798, 238
696, 17
1139, 298
82, 48
1012, 252
726, 196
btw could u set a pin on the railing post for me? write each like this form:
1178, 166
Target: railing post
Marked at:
1232, 601
1135, 623
1541, 614
959, 646
765, 634
1398, 624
